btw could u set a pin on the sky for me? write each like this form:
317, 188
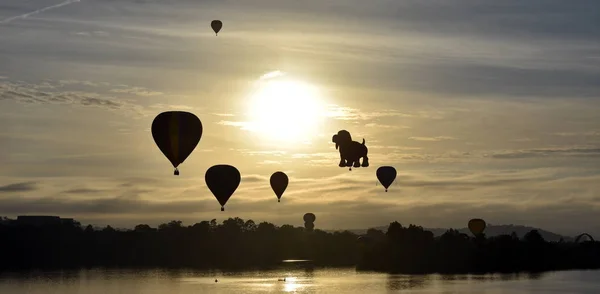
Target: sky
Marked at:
487, 109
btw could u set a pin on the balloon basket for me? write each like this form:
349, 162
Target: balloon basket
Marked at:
176, 172
222, 208
278, 200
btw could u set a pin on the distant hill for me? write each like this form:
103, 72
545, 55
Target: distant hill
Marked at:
490, 231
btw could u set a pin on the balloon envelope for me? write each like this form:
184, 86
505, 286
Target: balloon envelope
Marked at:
216, 25
309, 218
222, 180
176, 133
279, 182
309, 226
476, 226
386, 176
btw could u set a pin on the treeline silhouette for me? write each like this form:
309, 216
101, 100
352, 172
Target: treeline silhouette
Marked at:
239, 244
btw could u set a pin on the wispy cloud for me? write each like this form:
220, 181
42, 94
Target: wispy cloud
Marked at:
139, 91
547, 152
35, 93
348, 113
432, 139
26, 15
573, 134
91, 34
382, 126
19, 187
78, 82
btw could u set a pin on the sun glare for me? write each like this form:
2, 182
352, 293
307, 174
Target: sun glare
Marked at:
286, 110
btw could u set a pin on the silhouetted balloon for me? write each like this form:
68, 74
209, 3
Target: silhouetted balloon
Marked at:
590, 238
309, 226
309, 218
176, 133
279, 182
222, 180
350, 151
386, 176
476, 226
216, 25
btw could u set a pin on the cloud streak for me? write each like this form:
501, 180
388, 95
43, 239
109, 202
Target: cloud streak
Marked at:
432, 139
19, 187
35, 93
26, 15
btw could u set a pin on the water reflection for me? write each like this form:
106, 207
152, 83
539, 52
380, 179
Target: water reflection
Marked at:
447, 277
296, 280
292, 284
485, 278
402, 282
535, 276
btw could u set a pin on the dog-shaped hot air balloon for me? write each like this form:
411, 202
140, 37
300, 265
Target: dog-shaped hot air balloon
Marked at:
350, 151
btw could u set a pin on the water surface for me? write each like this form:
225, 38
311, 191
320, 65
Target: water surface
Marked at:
100, 281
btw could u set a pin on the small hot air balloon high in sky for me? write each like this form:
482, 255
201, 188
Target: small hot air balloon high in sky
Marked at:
279, 182
222, 180
216, 25
476, 226
386, 176
176, 133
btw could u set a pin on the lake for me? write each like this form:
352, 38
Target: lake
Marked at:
99, 281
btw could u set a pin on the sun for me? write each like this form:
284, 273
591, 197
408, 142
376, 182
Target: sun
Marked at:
286, 110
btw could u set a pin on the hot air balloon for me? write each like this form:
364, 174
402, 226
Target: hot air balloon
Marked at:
309, 226
476, 226
216, 25
279, 182
589, 237
309, 218
176, 134
222, 180
386, 175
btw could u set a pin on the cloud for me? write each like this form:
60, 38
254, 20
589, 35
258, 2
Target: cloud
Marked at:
139, 91
223, 114
573, 134
255, 179
546, 152
90, 34
31, 93
523, 140
348, 113
162, 106
19, 187
83, 191
381, 126
432, 139
77, 82
271, 75
23, 16
249, 126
